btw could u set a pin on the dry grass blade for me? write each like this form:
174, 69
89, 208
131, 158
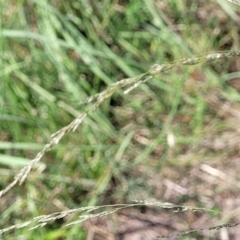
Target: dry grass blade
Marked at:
97, 99
228, 225
235, 2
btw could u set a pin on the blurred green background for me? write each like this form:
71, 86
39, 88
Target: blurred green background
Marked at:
55, 54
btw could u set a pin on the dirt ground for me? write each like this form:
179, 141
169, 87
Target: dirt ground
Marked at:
208, 182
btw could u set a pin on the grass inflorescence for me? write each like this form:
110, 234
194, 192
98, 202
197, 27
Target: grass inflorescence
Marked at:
146, 81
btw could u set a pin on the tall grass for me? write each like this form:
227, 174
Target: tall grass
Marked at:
64, 61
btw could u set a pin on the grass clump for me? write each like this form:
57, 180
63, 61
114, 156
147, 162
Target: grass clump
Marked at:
94, 62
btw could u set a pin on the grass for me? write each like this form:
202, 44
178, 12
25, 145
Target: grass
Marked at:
57, 55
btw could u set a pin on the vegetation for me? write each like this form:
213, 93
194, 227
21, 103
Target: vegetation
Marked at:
141, 101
